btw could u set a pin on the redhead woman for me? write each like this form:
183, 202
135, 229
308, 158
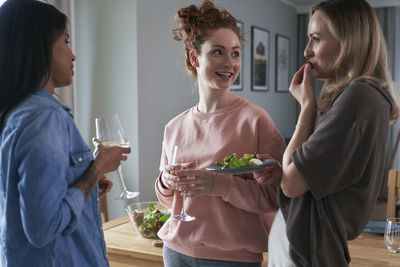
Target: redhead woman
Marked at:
233, 212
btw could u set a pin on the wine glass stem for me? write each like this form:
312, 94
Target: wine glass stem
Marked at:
121, 177
183, 212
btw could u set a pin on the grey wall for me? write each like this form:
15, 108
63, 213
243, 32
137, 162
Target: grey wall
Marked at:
128, 63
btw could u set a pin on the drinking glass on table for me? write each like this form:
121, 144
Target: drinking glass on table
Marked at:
183, 217
392, 235
110, 132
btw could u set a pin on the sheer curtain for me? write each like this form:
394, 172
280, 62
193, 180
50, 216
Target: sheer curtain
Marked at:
389, 18
66, 94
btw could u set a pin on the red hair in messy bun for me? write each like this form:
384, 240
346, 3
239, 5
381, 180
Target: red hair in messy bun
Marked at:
195, 23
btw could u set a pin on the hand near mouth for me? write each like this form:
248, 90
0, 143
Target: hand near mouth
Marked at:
308, 62
301, 87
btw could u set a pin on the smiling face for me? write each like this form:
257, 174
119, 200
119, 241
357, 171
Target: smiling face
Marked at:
219, 61
322, 48
62, 63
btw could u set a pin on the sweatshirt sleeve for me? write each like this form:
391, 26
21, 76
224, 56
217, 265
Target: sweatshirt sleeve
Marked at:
269, 139
164, 195
246, 194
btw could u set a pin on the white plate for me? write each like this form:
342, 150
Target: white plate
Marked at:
375, 227
218, 169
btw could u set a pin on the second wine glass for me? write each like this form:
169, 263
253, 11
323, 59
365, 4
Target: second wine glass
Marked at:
392, 235
183, 217
110, 132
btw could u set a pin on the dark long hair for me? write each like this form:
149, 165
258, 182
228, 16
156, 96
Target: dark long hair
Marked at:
28, 30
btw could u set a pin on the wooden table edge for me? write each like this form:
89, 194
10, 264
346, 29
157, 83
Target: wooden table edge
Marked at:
115, 222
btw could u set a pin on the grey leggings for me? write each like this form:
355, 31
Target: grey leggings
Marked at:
176, 259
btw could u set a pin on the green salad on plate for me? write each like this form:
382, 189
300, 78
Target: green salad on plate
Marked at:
233, 161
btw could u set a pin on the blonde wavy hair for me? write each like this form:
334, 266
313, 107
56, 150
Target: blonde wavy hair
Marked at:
363, 50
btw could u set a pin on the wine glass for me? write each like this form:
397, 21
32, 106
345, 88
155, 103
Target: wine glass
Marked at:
392, 235
183, 217
110, 132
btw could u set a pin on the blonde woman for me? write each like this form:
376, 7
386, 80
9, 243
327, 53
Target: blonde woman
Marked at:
332, 171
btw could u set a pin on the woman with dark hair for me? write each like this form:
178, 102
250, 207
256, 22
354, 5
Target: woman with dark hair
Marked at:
50, 180
332, 171
233, 211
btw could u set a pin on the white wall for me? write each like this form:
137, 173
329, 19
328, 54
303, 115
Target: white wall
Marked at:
128, 63
106, 76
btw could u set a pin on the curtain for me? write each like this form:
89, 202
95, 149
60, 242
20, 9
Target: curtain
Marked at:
389, 18
66, 94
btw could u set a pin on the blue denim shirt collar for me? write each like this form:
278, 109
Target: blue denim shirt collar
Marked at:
45, 93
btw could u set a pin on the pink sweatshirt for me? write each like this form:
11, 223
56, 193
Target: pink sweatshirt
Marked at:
233, 223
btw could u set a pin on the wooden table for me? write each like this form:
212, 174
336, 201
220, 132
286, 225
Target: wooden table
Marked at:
126, 248
369, 250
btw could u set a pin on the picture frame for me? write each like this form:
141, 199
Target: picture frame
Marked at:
238, 84
282, 63
259, 59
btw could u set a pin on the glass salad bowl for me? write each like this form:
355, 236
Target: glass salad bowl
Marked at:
148, 217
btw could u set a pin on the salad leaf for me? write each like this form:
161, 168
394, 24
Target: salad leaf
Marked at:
151, 207
233, 161
164, 218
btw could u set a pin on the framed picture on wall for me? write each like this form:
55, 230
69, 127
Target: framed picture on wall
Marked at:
238, 84
259, 59
282, 63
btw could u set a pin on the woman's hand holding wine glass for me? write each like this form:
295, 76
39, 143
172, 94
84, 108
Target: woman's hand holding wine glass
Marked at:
111, 137
200, 183
172, 181
108, 159
169, 177
105, 160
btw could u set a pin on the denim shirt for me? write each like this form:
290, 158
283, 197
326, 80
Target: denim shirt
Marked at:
44, 220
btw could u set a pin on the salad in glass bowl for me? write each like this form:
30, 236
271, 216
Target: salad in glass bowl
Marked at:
148, 217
